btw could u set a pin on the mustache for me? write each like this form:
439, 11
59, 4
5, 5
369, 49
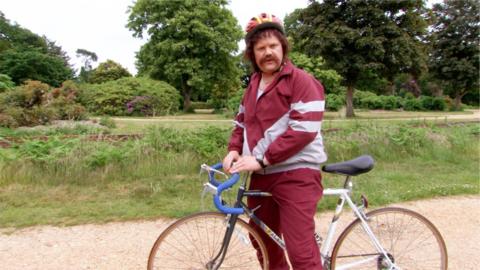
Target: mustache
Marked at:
269, 58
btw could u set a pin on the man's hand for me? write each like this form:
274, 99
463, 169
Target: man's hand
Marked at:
231, 157
245, 163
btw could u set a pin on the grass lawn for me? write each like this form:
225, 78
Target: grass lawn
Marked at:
128, 125
72, 182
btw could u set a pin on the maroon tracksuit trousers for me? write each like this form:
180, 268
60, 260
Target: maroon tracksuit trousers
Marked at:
289, 213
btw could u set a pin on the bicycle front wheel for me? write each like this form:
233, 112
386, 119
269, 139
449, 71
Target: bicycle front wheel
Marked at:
410, 240
192, 242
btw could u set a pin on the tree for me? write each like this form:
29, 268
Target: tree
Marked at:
191, 45
25, 55
34, 65
316, 67
354, 36
108, 71
14, 36
57, 51
456, 46
87, 58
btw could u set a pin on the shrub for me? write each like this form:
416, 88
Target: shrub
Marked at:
372, 102
412, 104
334, 102
6, 83
366, 100
107, 122
7, 120
433, 103
113, 97
34, 103
390, 102
46, 151
40, 115
201, 105
65, 100
233, 103
68, 110
32, 93
208, 142
13, 117
141, 106
105, 154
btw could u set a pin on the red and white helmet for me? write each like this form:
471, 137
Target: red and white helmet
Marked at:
263, 21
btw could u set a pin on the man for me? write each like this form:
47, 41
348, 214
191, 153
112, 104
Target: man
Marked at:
277, 137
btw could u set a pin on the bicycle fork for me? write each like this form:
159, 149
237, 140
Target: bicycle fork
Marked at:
217, 261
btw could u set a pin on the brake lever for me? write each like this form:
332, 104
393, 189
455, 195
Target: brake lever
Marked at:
205, 168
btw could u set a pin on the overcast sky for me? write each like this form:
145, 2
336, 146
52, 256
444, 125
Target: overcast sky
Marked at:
99, 25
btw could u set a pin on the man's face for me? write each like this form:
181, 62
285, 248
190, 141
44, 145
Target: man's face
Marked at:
268, 54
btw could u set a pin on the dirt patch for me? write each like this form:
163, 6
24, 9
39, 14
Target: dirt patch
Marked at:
126, 245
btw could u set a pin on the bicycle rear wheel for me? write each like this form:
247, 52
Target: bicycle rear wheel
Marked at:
193, 241
410, 240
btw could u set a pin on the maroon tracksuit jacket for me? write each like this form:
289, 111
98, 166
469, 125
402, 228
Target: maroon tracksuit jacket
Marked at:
283, 125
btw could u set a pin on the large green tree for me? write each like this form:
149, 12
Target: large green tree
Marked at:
108, 71
14, 36
316, 67
456, 46
191, 45
34, 65
25, 55
356, 36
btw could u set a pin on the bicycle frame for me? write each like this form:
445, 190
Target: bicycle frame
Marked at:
342, 193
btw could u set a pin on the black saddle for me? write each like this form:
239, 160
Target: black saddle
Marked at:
359, 165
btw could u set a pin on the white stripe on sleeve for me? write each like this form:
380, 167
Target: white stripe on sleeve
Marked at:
306, 126
312, 106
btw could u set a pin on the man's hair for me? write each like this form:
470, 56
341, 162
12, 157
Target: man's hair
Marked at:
250, 54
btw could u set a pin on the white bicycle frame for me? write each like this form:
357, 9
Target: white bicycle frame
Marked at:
344, 194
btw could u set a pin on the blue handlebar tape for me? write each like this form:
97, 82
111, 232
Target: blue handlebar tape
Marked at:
221, 187
216, 199
211, 175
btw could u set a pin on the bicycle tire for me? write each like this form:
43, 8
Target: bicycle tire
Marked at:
408, 237
191, 242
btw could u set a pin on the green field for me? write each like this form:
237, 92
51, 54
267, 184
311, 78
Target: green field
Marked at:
73, 181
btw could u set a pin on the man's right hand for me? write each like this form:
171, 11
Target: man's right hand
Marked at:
231, 157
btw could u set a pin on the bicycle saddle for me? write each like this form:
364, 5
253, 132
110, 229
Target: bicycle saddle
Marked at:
359, 165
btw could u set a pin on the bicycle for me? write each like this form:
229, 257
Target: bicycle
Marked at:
385, 238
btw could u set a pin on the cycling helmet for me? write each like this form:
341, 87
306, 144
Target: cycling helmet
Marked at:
263, 21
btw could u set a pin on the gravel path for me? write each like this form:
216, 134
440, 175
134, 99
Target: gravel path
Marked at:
126, 245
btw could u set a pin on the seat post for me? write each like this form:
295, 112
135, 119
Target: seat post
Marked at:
348, 183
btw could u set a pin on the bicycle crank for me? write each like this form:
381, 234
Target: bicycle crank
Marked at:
383, 264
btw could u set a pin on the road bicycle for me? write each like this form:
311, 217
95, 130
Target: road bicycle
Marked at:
385, 238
